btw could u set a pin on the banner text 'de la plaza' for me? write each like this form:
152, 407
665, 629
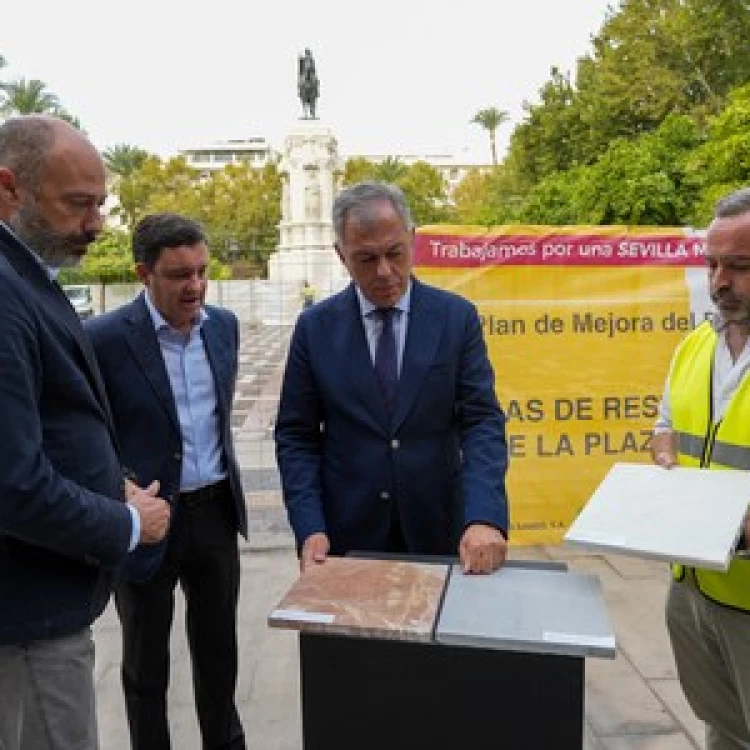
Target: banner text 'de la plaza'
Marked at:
580, 325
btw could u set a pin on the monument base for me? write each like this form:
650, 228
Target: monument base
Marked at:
289, 269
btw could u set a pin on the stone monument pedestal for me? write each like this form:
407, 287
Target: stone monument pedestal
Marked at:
309, 168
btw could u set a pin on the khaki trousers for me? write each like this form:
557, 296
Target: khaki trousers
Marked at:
47, 695
711, 645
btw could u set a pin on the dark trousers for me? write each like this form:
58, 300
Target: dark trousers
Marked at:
202, 555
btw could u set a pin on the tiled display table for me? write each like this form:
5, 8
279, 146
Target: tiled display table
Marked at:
398, 654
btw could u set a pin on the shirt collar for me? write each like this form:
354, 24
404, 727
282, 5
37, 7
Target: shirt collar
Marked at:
366, 307
159, 321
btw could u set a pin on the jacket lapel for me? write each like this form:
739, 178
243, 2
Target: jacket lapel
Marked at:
144, 347
219, 348
426, 321
52, 297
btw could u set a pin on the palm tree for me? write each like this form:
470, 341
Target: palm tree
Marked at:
491, 119
123, 159
27, 97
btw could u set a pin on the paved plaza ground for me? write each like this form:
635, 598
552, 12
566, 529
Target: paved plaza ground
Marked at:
632, 703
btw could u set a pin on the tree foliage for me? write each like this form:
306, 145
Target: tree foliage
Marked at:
24, 96
239, 206
638, 181
123, 159
721, 163
652, 128
424, 187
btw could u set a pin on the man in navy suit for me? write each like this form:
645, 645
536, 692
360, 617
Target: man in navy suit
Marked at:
65, 527
170, 364
389, 436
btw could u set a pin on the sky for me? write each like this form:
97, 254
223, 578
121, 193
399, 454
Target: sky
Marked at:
396, 76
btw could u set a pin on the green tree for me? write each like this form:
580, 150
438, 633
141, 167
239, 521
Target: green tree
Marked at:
426, 193
636, 181
555, 199
358, 169
239, 206
552, 136
391, 169
241, 211
156, 186
489, 198
469, 198
108, 260
722, 163
26, 97
491, 119
123, 159
650, 59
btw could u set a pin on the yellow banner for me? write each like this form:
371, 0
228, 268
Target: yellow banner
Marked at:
580, 324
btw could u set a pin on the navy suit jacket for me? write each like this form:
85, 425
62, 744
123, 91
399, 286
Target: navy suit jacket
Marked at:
144, 409
64, 527
442, 457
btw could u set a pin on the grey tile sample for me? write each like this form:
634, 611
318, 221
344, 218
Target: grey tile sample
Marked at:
683, 515
530, 610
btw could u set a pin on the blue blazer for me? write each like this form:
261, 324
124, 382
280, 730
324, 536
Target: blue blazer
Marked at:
442, 457
64, 528
144, 410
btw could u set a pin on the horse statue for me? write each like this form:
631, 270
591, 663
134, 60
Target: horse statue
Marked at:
307, 85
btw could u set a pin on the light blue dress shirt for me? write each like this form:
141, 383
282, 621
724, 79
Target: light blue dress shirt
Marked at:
195, 399
373, 323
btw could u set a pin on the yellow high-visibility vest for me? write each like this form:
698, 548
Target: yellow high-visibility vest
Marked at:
704, 443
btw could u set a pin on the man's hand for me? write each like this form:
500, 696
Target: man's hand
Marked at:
153, 511
314, 550
130, 487
662, 449
482, 549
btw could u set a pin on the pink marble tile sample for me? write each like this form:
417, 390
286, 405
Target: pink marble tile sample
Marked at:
395, 600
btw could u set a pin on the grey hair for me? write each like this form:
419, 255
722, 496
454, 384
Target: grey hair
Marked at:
357, 198
25, 143
733, 204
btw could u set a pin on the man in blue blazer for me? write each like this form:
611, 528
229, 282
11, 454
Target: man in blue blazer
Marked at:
389, 436
65, 528
170, 364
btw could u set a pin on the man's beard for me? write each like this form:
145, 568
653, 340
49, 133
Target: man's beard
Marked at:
56, 249
739, 315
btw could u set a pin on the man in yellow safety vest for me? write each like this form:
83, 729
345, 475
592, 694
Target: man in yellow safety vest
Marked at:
704, 421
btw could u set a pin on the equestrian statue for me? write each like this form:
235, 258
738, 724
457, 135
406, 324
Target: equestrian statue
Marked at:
307, 85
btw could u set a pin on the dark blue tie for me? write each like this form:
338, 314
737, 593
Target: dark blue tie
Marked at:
386, 361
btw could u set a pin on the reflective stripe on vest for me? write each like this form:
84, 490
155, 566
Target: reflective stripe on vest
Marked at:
726, 454
701, 443
690, 445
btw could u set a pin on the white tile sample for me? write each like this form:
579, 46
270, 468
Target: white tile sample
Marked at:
683, 515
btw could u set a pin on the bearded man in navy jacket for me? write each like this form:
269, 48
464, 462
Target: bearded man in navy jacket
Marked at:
65, 528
